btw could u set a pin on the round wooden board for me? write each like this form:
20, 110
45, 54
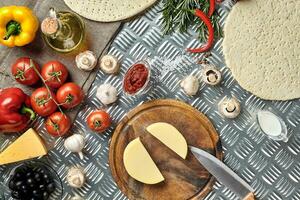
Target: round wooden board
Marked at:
184, 179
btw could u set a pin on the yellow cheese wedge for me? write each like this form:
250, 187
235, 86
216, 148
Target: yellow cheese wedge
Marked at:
170, 136
27, 146
139, 164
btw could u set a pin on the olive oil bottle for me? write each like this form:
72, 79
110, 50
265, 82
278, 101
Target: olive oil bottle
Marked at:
63, 31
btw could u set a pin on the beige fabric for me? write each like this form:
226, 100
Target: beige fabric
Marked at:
262, 47
108, 10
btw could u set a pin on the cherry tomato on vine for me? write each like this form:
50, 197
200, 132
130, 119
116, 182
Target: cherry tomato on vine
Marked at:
57, 124
99, 121
54, 73
42, 102
24, 73
69, 95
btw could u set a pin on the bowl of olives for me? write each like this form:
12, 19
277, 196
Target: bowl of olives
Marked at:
32, 180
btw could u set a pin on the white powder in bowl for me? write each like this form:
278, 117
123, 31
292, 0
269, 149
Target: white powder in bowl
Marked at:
269, 123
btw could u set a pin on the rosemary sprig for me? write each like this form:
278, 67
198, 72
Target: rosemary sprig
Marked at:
177, 15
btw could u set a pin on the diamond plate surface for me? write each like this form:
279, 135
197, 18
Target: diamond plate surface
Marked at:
272, 168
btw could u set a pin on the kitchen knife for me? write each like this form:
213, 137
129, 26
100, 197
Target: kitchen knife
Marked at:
223, 174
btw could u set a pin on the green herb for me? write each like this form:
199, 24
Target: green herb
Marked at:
177, 15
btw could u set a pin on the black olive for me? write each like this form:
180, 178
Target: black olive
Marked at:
12, 184
25, 192
18, 184
29, 174
16, 194
45, 195
24, 187
30, 181
50, 187
37, 177
18, 175
45, 177
37, 193
42, 187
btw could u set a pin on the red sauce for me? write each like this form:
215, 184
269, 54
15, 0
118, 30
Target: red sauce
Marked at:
135, 78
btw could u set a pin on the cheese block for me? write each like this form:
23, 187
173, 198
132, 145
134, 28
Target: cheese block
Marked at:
139, 164
27, 146
170, 136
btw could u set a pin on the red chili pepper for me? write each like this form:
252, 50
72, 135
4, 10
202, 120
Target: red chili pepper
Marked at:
210, 28
15, 112
212, 6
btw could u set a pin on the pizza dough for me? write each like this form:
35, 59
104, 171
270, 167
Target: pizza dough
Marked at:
262, 47
108, 10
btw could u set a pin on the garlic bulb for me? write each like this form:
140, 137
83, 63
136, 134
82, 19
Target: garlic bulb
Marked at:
229, 107
86, 60
75, 144
76, 177
107, 94
109, 64
190, 85
211, 75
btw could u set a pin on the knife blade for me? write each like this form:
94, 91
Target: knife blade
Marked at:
223, 174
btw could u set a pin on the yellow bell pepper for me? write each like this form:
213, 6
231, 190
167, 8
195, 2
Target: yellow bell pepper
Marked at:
18, 26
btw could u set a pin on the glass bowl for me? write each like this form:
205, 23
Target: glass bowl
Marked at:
145, 88
9, 172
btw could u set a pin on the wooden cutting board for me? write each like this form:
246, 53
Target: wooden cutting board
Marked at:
184, 179
98, 38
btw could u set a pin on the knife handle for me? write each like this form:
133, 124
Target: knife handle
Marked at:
249, 196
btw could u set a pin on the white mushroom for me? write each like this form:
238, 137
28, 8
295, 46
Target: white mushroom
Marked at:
190, 85
86, 60
211, 75
229, 107
109, 64
76, 177
107, 94
75, 143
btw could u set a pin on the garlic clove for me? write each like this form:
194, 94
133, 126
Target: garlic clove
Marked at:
75, 144
107, 94
229, 107
190, 85
86, 60
211, 75
109, 64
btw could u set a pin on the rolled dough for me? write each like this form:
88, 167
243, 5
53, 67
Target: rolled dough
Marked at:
108, 10
262, 47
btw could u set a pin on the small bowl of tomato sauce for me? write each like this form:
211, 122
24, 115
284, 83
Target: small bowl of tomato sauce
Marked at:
137, 78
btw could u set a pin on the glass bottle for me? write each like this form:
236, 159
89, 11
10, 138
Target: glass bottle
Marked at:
63, 31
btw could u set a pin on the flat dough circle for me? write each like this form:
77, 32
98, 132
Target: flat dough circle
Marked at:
108, 10
262, 47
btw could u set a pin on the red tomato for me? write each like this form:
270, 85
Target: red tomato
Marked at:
98, 120
69, 95
54, 73
57, 124
42, 103
24, 73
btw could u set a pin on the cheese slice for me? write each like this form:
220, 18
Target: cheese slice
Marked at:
170, 136
28, 145
139, 164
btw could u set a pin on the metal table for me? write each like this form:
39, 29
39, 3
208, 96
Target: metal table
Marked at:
270, 167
